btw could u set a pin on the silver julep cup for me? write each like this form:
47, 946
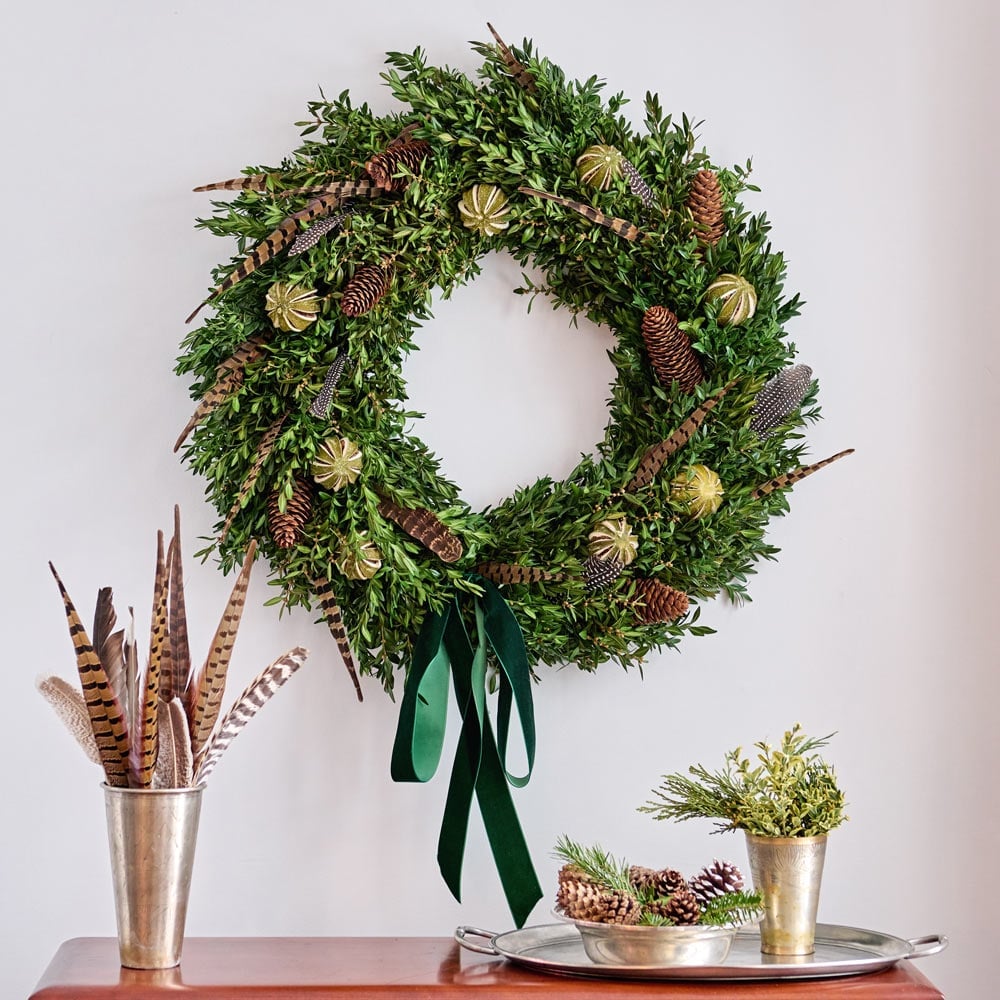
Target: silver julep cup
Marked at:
787, 872
152, 836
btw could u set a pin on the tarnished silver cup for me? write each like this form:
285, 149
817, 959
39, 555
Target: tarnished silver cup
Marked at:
787, 872
152, 836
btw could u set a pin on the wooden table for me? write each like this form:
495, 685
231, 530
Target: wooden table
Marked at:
402, 968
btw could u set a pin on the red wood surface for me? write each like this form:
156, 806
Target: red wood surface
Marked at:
404, 968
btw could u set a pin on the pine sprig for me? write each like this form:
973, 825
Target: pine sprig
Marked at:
598, 865
732, 908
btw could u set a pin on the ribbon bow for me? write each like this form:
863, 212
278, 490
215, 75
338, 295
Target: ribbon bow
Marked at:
480, 768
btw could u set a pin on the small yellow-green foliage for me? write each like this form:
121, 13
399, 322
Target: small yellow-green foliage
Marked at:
789, 792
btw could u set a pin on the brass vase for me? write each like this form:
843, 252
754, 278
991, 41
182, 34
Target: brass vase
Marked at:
787, 872
152, 836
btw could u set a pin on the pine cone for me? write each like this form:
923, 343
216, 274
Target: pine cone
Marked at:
286, 526
363, 291
715, 880
661, 603
599, 574
383, 166
582, 900
682, 907
669, 349
705, 202
657, 882
779, 397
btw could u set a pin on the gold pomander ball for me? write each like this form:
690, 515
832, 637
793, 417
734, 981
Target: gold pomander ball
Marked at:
735, 297
484, 208
598, 166
337, 463
613, 539
291, 307
360, 562
699, 488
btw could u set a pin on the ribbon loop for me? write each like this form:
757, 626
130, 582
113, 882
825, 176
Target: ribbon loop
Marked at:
479, 769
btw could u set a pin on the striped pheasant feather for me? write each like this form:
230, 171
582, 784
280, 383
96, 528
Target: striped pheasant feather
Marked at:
103, 709
205, 693
247, 352
321, 404
246, 707
652, 461
621, 227
72, 710
791, 478
263, 451
174, 763
517, 69
271, 245
426, 527
108, 644
249, 182
143, 748
501, 572
335, 622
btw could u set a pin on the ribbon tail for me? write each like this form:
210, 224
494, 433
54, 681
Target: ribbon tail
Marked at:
510, 849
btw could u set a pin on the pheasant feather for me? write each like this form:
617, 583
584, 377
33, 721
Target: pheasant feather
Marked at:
791, 478
72, 709
621, 227
500, 572
108, 644
180, 649
105, 713
263, 451
246, 707
426, 527
517, 69
335, 622
207, 691
143, 749
174, 763
652, 461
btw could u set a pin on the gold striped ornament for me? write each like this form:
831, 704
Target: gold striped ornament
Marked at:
337, 463
735, 297
484, 208
597, 166
613, 539
699, 489
291, 307
359, 562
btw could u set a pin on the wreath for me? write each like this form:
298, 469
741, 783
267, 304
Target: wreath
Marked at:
303, 435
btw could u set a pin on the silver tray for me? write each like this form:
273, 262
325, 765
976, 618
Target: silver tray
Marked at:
840, 951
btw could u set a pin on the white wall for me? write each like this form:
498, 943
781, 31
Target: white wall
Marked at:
873, 131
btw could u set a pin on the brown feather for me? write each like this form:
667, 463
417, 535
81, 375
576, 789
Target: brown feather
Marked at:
263, 451
501, 572
652, 461
180, 649
426, 527
72, 709
621, 227
108, 644
174, 763
791, 478
335, 622
106, 717
517, 69
207, 691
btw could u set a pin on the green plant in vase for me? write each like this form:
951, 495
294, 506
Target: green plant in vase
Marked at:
786, 801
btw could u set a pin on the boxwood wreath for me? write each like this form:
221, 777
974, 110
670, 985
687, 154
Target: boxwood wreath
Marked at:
302, 431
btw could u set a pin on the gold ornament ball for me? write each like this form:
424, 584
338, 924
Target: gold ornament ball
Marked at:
361, 563
699, 488
598, 166
613, 539
337, 463
291, 307
736, 298
484, 208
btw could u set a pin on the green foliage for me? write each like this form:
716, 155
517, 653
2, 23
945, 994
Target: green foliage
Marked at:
732, 908
789, 792
492, 131
599, 866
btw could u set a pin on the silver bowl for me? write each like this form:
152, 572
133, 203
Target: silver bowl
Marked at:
624, 944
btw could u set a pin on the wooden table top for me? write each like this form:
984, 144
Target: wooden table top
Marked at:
401, 968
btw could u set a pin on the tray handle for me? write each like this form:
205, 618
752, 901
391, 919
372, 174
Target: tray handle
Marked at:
929, 944
463, 933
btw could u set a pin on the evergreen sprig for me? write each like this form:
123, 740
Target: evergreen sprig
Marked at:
597, 864
790, 792
491, 131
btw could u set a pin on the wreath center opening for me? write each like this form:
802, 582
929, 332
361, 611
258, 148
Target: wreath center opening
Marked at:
508, 393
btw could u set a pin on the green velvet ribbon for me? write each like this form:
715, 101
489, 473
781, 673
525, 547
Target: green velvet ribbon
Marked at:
480, 769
